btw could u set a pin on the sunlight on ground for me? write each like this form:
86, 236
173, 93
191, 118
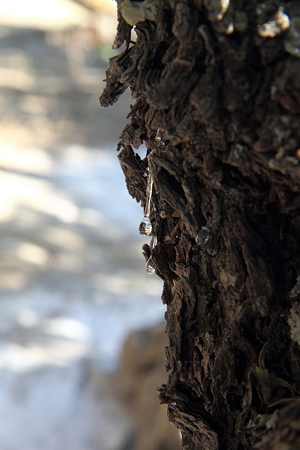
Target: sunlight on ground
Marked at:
126, 282
72, 276
39, 195
19, 358
20, 159
45, 14
32, 253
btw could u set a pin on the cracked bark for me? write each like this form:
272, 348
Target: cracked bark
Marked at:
221, 81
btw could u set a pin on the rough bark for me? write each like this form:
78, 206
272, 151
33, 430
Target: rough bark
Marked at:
221, 82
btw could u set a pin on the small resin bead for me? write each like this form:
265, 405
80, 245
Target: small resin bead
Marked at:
145, 226
149, 266
203, 236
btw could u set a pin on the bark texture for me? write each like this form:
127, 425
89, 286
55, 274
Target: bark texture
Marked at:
221, 82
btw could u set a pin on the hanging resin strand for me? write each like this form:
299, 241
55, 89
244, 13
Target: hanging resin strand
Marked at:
145, 227
150, 269
158, 138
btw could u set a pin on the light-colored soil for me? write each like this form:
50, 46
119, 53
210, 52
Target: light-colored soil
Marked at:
72, 279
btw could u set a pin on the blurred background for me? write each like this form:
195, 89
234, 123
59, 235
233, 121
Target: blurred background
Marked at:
81, 332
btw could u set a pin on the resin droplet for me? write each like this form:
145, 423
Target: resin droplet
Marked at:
145, 226
150, 267
203, 235
158, 138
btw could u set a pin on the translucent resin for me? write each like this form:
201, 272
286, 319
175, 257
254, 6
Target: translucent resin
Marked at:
150, 267
145, 227
203, 235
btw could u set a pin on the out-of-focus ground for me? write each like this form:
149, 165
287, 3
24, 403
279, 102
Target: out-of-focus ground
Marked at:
72, 279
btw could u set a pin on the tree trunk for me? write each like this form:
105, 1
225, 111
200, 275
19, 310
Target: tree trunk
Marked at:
218, 81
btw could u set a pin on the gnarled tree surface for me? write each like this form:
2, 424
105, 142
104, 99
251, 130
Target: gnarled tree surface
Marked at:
220, 79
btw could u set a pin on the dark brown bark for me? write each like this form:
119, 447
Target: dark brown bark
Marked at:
221, 81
